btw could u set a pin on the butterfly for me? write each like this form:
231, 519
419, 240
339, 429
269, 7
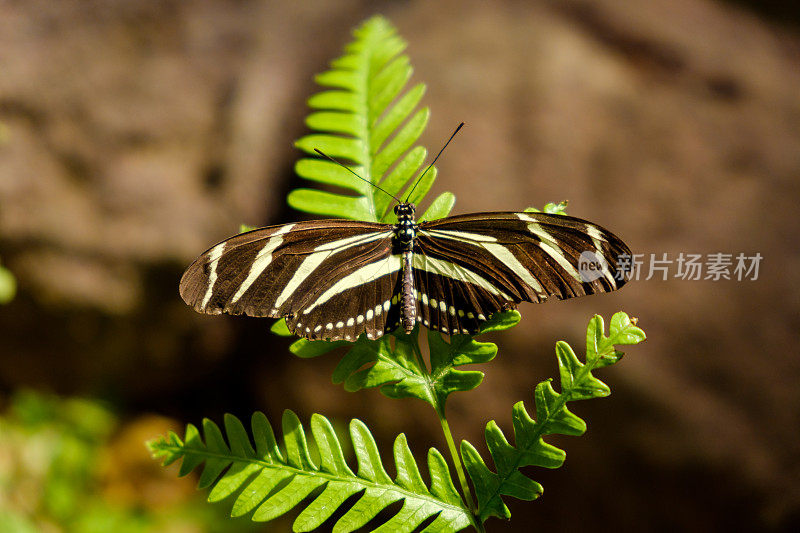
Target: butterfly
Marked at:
337, 279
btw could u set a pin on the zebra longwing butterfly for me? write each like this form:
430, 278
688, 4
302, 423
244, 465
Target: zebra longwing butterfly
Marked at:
336, 279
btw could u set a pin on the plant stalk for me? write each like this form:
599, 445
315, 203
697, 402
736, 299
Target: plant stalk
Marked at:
462, 477
451, 445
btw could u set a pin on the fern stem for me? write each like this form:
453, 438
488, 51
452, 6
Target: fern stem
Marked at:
456, 458
448, 436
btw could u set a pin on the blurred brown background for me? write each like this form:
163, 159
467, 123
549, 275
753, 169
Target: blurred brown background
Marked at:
136, 134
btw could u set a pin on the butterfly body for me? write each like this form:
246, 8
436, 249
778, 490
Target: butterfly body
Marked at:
405, 233
337, 279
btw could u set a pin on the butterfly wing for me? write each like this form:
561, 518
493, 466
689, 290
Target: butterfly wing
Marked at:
330, 279
467, 267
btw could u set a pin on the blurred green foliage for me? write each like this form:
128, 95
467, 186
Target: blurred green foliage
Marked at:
8, 285
71, 465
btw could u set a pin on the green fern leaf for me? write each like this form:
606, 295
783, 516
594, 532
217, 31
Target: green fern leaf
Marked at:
463, 350
552, 417
395, 365
554, 209
367, 118
269, 483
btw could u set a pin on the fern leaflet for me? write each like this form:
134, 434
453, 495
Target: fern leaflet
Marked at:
270, 482
397, 368
552, 416
364, 119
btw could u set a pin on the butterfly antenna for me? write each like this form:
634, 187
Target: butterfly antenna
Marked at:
399, 201
434, 161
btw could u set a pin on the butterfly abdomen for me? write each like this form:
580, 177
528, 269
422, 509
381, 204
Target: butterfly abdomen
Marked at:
409, 314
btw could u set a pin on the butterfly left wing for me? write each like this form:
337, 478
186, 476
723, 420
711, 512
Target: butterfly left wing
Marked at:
468, 267
331, 279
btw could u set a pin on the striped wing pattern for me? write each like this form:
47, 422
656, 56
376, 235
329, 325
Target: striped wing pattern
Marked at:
337, 279
468, 267
330, 278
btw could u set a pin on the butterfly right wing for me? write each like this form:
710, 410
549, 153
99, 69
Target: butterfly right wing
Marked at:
468, 267
316, 274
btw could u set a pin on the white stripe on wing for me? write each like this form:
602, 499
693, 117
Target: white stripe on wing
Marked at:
262, 260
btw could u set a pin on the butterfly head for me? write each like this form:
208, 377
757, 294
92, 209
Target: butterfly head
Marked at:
406, 228
404, 211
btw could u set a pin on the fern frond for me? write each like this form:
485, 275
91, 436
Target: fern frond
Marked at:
462, 350
365, 118
395, 366
270, 482
554, 209
552, 416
